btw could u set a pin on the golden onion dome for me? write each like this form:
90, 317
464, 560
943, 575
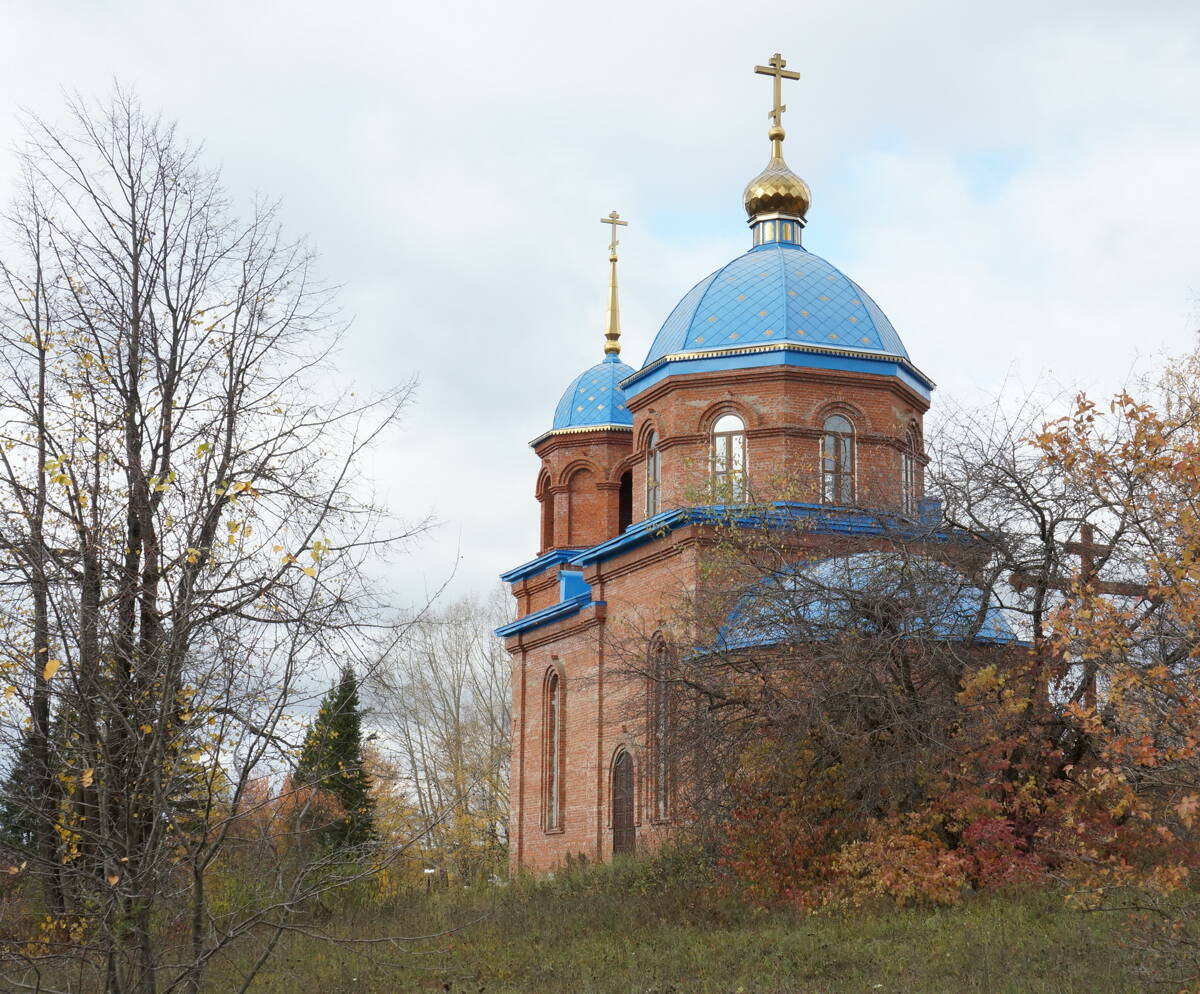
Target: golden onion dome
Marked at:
777, 190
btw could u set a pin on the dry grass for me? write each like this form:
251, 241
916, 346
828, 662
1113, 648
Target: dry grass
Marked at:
654, 928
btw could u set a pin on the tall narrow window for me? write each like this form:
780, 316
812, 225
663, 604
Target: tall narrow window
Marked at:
729, 457
908, 472
660, 731
625, 502
547, 501
652, 477
837, 461
552, 806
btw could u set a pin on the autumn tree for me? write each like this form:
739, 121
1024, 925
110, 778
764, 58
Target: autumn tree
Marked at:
183, 533
863, 703
1133, 839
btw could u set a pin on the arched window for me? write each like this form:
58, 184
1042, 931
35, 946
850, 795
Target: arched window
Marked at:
552, 753
660, 728
653, 469
547, 500
624, 816
908, 471
625, 502
837, 461
729, 457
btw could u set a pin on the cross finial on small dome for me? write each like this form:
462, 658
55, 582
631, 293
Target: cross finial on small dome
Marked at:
612, 326
777, 199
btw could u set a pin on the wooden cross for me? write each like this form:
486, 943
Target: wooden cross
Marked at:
614, 219
1089, 552
775, 67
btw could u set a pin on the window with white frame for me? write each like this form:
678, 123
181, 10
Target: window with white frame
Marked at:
908, 471
653, 469
729, 457
837, 461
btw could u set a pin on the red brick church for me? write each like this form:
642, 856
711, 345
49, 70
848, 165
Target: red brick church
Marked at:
777, 375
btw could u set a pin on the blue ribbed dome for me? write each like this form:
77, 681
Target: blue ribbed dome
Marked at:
595, 398
777, 293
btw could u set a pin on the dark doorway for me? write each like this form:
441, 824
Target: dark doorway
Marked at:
622, 804
625, 503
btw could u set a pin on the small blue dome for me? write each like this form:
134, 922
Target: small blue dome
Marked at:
595, 398
778, 293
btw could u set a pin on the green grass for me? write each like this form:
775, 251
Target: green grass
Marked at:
656, 929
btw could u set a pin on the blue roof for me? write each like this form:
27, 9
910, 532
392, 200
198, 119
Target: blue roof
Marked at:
595, 398
829, 598
777, 293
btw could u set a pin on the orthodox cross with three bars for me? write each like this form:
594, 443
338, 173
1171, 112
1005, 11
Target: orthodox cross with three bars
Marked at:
614, 219
775, 67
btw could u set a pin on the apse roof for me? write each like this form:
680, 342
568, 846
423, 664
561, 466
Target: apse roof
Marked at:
818, 599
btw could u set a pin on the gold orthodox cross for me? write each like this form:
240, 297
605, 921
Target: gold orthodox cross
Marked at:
614, 219
775, 67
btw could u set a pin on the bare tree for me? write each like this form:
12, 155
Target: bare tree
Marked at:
442, 700
184, 530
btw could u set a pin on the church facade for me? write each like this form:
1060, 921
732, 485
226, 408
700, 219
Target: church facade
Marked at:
777, 380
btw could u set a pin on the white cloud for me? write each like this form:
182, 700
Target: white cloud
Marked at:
1013, 184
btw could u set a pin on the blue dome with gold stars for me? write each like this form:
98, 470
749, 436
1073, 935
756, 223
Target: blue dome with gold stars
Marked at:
595, 398
778, 293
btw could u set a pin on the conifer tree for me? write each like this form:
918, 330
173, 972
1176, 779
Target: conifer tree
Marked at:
17, 819
332, 760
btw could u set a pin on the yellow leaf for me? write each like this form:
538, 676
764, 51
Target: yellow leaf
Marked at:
9, 691
146, 729
309, 571
50, 668
85, 778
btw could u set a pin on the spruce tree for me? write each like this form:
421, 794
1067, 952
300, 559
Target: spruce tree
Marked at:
18, 805
332, 760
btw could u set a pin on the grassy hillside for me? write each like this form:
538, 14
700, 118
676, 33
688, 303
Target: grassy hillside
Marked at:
658, 928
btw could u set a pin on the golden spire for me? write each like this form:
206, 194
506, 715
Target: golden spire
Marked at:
612, 326
777, 190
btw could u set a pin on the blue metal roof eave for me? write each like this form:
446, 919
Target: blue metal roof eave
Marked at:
539, 565
635, 535
579, 429
736, 645
779, 354
830, 519
548, 615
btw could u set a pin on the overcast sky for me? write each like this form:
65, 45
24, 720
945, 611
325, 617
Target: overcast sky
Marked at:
1016, 184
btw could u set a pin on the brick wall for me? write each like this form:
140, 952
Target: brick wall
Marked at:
596, 652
